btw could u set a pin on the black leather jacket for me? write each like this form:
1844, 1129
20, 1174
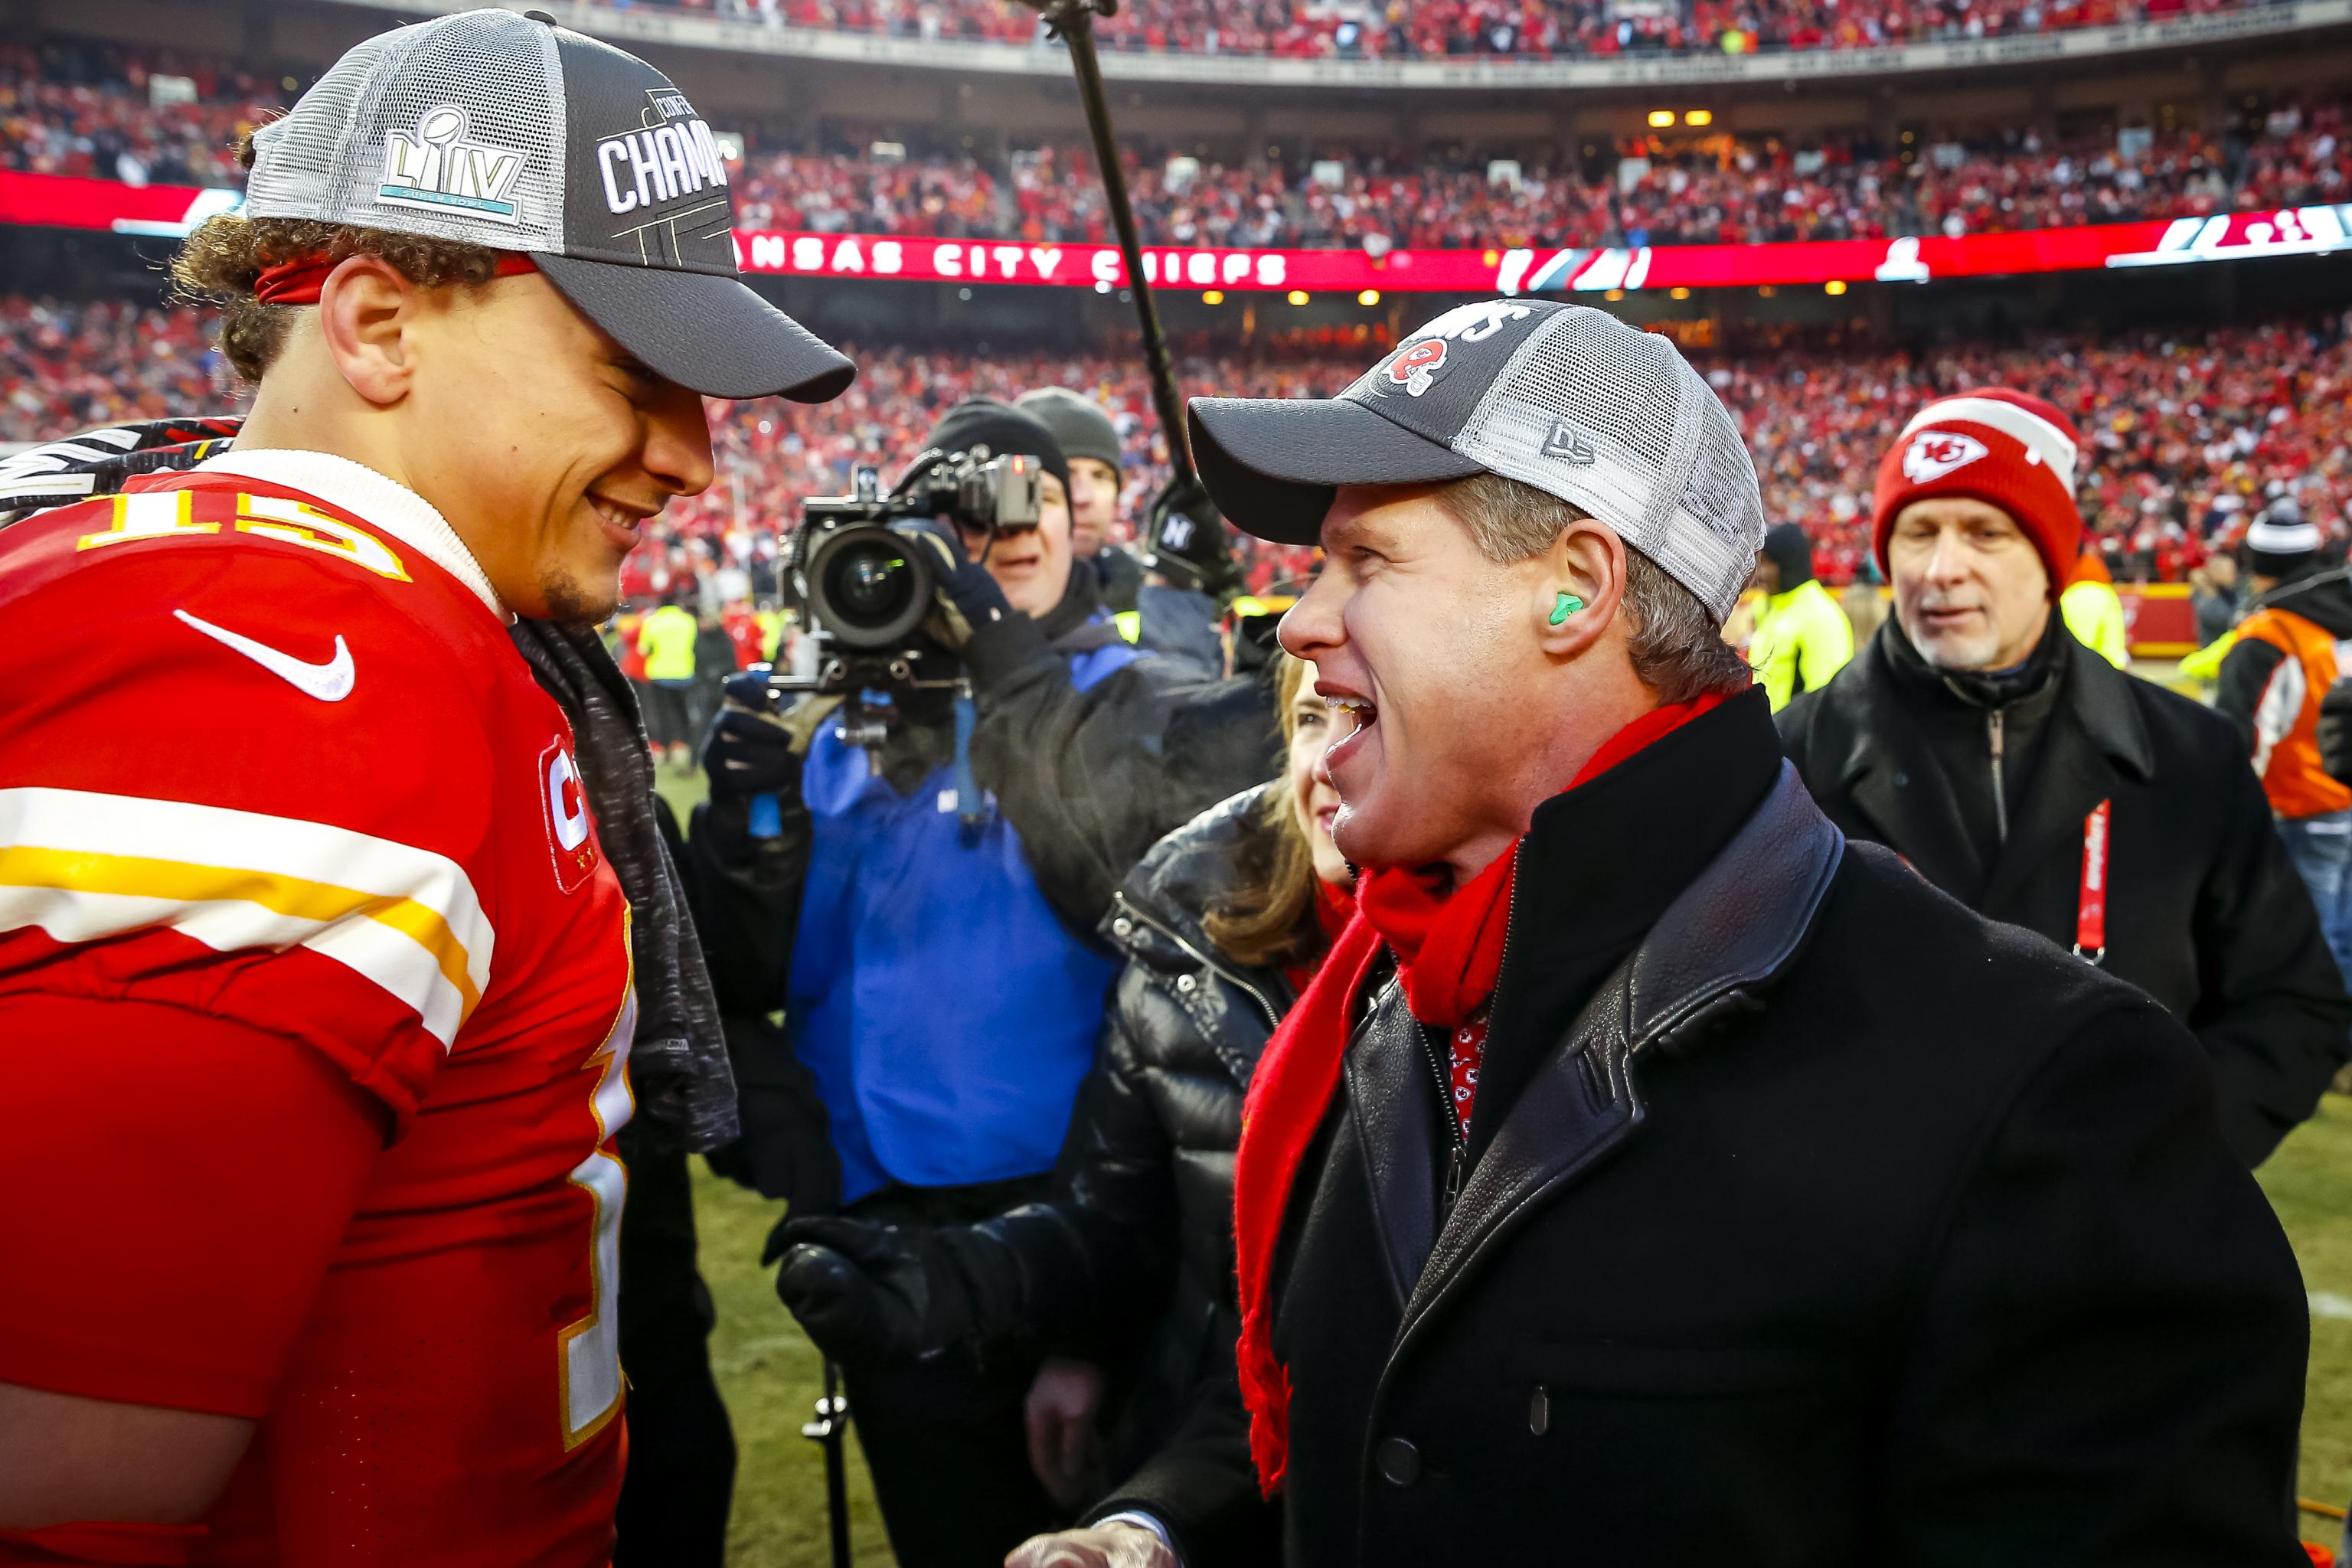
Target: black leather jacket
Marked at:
1798, 1233
1131, 1260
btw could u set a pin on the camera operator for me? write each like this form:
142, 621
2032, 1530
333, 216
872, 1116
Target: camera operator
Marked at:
1166, 596
1090, 444
932, 947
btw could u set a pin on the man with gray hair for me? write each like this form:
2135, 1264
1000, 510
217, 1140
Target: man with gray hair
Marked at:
1650, 1175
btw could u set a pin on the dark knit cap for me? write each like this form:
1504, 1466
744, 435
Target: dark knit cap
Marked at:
1005, 431
1083, 429
2281, 543
1787, 548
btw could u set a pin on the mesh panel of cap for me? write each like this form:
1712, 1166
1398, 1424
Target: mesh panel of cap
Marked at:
1609, 418
327, 158
294, 155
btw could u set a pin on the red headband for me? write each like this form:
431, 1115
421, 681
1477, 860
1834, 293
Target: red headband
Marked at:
299, 281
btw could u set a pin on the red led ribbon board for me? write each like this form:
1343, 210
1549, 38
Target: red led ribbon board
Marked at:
59, 202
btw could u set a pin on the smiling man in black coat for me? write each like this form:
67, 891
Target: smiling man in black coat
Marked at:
2037, 784
1650, 1177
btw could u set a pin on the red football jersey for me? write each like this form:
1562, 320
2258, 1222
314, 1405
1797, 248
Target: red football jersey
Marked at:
268, 755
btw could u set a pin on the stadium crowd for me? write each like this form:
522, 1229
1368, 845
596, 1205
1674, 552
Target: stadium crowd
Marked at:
2192, 437
82, 110
1422, 29
1714, 190
96, 111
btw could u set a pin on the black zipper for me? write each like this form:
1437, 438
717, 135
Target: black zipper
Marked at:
1457, 1142
2000, 789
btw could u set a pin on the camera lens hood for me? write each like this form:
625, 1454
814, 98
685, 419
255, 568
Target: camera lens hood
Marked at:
869, 585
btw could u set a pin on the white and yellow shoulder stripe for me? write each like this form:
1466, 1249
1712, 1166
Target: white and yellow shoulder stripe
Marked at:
84, 865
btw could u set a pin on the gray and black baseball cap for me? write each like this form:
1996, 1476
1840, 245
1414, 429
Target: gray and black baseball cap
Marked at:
1565, 398
509, 131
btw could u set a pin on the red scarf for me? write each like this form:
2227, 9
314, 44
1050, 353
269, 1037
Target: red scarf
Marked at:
1449, 949
1335, 906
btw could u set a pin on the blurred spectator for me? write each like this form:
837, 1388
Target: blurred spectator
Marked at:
2024, 775
715, 659
2216, 596
669, 638
2272, 679
2093, 611
1801, 637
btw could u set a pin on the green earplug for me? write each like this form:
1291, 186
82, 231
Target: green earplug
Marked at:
1569, 605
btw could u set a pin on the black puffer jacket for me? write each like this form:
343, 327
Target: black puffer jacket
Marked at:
1132, 1261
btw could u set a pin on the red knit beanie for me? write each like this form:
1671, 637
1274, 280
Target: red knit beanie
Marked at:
2002, 447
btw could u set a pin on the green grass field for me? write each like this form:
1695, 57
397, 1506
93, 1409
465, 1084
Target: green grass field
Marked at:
770, 1375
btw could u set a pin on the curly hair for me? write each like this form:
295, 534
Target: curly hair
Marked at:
219, 263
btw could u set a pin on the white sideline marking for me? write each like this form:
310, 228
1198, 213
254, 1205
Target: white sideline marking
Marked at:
2329, 1304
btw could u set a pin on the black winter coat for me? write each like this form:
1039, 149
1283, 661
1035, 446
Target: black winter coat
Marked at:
2204, 910
1092, 779
1130, 1260
1819, 1222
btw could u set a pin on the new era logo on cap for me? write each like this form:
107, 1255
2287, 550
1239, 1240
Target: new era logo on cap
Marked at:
509, 131
1567, 443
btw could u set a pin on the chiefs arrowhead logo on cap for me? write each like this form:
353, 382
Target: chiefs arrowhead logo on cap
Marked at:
1934, 453
1418, 364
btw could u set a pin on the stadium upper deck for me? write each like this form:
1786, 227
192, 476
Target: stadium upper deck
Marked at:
139, 117
1337, 47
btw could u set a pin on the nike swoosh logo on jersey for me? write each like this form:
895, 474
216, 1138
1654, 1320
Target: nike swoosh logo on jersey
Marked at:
329, 682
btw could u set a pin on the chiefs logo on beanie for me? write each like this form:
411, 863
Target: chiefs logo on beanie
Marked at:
2002, 447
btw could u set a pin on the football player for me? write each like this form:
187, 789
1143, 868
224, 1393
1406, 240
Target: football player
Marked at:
315, 992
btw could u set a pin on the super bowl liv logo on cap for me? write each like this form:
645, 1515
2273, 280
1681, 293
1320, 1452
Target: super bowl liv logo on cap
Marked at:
438, 171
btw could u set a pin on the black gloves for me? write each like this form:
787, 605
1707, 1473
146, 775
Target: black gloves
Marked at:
786, 1148
968, 596
868, 1292
748, 752
903, 1293
1185, 540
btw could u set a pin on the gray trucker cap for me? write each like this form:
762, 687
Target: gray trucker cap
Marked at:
1565, 398
509, 131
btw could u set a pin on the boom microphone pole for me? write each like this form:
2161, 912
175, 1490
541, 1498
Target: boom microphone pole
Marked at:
1073, 22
